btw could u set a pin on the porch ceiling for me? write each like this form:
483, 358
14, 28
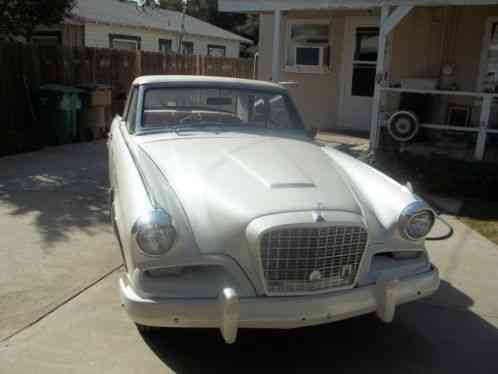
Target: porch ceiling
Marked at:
271, 5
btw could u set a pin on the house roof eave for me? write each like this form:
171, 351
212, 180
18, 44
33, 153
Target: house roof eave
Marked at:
249, 6
125, 13
81, 20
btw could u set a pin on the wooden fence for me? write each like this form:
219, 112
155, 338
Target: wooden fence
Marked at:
23, 68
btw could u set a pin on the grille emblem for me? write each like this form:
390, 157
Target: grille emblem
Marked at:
317, 213
315, 276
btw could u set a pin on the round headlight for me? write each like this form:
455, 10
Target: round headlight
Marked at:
154, 232
416, 220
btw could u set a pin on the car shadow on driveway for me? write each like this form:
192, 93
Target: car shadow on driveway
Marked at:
423, 338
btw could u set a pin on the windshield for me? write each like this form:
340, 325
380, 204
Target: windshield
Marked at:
175, 108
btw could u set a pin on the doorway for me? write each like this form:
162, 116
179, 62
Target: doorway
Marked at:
361, 40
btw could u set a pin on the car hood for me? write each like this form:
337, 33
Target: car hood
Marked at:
224, 183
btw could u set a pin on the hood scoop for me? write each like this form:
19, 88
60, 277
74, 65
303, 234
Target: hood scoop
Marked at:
272, 169
293, 185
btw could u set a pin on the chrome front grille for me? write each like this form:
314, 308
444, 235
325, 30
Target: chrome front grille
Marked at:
311, 259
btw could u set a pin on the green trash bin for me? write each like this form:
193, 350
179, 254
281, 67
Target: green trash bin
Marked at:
58, 107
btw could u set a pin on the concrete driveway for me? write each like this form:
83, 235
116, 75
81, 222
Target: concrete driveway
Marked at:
455, 331
56, 239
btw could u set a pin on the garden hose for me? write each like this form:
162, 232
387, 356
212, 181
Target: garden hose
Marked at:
448, 235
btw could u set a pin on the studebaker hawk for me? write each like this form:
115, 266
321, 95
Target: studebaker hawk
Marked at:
229, 215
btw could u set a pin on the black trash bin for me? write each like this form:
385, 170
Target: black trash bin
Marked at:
58, 106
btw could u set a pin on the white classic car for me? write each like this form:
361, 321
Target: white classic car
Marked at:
229, 216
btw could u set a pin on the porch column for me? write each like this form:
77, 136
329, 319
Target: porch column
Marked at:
387, 24
275, 67
379, 77
483, 126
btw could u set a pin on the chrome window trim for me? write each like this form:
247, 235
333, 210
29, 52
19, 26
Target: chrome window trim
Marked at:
289, 102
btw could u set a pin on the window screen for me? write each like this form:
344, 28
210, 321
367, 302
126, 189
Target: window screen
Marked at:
367, 42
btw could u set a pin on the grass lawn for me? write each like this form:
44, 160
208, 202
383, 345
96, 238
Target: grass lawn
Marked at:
476, 184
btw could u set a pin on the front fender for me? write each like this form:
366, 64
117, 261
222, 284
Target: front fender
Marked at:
382, 198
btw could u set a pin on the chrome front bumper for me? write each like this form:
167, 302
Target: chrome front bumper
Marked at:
229, 312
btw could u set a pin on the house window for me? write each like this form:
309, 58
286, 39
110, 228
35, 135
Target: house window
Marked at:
489, 64
48, 38
308, 46
124, 42
216, 50
187, 48
165, 46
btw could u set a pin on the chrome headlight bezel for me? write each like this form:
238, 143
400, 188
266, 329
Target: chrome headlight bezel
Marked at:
165, 235
410, 213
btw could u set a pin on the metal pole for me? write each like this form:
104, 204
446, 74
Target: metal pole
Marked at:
182, 30
379, 77
275, 69
481, 138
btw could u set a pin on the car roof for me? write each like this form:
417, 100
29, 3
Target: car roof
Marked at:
206, 81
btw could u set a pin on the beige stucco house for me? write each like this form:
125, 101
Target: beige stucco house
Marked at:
121, 24
356, 62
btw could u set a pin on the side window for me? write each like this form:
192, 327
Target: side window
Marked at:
279, 115
259, 111
131, 115
272, 112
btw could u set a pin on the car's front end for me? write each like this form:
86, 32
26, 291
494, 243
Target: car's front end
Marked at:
262, 229
325, 283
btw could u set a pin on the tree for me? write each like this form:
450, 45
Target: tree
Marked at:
22, 17
207, 10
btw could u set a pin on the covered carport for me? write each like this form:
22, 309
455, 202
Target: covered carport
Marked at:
452, 73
